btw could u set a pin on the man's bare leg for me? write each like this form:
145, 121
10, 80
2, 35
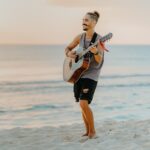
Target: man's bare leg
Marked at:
92, 132
86, 124
89, 117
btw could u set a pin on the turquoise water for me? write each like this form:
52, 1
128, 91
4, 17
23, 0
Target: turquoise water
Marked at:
33, 93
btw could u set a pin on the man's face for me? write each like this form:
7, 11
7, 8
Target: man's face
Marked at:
87, 23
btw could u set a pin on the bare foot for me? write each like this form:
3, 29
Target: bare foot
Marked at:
86, 134
92, 136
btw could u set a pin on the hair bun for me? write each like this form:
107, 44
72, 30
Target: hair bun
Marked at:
96, 13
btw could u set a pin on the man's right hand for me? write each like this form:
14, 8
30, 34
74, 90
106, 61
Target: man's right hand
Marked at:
72, 54
71, 46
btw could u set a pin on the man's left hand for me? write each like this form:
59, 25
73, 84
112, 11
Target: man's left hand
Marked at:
94, 50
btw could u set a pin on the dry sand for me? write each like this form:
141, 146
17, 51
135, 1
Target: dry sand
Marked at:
112, 135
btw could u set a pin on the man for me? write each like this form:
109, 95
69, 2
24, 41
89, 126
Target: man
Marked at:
85, 87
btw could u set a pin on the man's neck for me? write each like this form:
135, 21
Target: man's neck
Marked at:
89, 33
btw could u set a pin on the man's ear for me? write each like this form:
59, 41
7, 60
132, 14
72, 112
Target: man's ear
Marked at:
93, 23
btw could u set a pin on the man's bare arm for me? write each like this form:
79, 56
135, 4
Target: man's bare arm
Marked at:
98, 52
99, 55
71, 46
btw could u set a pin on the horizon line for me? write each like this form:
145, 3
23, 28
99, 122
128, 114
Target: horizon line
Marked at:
67, 44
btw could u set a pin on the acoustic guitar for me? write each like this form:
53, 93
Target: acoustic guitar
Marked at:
74, 68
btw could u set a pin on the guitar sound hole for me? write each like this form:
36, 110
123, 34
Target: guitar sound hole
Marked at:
76, 59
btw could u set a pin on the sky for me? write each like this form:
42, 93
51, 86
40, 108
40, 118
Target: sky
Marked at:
59, 21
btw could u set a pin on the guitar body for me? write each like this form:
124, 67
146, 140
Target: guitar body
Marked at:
72, 70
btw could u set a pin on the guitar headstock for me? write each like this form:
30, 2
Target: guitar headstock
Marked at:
106, 37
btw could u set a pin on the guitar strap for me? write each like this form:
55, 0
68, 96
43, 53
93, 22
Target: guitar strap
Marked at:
93, 38
90, 54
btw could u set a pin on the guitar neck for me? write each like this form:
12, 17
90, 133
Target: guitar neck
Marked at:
102, 39
88, 49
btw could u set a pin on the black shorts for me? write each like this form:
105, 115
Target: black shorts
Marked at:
84, 89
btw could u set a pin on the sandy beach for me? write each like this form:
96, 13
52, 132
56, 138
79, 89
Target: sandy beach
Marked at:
112, 135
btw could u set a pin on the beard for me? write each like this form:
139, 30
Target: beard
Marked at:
85, 29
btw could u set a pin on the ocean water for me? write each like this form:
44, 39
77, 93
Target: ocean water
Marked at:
33, 93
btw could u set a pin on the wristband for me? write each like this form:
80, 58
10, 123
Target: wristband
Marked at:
96, 53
